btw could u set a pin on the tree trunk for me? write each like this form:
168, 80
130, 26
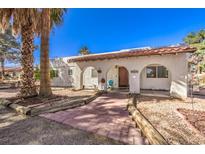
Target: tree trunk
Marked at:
28, 88
45, 86
2, 69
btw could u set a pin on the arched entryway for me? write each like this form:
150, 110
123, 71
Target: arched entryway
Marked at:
123, 77
118, 77
90, 78
155, 77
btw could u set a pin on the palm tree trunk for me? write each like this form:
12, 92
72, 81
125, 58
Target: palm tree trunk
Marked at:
2, 69
45, 86
28, 88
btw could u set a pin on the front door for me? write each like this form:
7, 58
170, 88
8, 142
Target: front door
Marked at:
123, 77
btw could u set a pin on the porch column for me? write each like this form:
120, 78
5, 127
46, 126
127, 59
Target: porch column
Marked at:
79, 81
179, 89
179, 83
102, 86
134, 81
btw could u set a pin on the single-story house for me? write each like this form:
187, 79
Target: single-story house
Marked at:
164, 68
11, 73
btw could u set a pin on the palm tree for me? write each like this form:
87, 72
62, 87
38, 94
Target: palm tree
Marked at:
84, 51
49, 19
24, 22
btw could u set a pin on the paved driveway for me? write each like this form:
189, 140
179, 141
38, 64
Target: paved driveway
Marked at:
106, 116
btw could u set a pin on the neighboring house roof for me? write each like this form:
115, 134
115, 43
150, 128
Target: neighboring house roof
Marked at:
133, 53
12, 69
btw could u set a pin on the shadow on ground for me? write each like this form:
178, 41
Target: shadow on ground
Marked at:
15, 129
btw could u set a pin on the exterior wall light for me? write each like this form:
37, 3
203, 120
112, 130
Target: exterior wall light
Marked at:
99, 71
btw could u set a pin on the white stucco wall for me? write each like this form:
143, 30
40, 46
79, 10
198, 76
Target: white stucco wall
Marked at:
154, 83
78, 79
177, 65
63, 79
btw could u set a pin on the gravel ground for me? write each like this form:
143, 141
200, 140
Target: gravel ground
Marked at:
19, 129
163, 114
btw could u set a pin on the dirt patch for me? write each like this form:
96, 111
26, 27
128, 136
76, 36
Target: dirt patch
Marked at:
58, 95
35, 101
195, 118
38, 101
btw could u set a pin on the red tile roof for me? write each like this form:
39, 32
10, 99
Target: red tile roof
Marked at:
134, 53
12, 69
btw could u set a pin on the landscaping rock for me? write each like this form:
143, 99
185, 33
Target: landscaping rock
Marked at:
5, 102
16, 107
164, 116
20, 109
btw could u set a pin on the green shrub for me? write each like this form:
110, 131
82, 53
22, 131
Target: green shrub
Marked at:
53, 73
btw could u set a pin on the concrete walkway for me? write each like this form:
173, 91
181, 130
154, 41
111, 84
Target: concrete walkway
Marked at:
106, 116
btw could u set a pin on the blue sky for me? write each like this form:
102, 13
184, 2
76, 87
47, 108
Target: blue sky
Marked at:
105, 30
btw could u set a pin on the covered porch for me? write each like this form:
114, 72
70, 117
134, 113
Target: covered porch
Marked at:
153, 72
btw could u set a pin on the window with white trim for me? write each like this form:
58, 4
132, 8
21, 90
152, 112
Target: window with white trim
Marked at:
151, 72
162, 72
156, 72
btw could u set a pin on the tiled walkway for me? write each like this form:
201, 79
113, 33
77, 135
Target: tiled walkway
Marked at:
106, 116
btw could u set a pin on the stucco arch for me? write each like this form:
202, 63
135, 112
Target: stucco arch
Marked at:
155, 83
88, 66
113, 74
87, 80
118, 65
154, 63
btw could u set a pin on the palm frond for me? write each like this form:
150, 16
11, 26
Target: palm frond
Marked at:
57, 16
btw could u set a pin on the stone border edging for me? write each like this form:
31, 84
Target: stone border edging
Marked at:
18, 108
33, 112
152, 135
63, 105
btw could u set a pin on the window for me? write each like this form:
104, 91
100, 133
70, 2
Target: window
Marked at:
162, 72
54, 73
151, 72
156, 72
70, 72
94, 73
